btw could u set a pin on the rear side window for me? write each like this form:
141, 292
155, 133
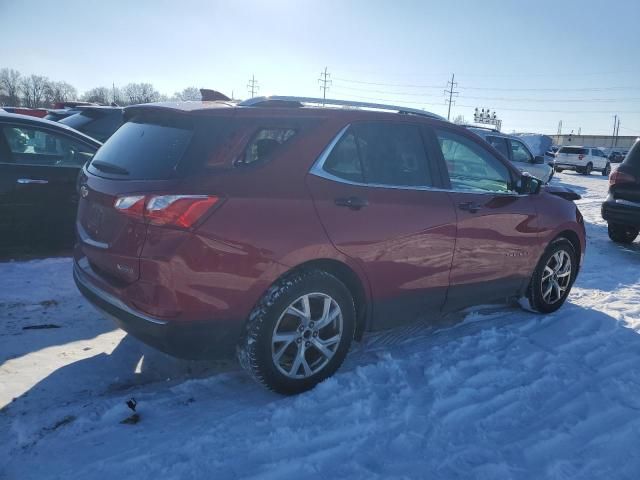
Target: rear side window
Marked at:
500, 144
141, 150
381, 153
574, 150
265, 143
34, 146
633, 157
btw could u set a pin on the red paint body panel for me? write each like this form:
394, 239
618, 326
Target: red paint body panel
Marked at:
413, 251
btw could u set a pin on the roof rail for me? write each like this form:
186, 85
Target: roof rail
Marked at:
299, 101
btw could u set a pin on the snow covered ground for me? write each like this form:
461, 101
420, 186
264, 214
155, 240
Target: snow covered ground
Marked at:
500, 394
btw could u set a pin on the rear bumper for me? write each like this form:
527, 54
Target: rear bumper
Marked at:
621, 211
194, 340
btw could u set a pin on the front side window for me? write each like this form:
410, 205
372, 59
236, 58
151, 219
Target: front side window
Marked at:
520, 153
33, 146
381, 154
472, 168
500, 144
264, 143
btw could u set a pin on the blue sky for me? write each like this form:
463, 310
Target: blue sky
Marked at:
535, 63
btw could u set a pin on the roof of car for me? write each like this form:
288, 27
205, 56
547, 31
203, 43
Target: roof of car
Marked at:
36, 121
298, 104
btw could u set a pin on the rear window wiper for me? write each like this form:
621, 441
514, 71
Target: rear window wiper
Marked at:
109, 167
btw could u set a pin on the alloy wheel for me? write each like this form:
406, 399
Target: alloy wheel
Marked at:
307, 335
556, 277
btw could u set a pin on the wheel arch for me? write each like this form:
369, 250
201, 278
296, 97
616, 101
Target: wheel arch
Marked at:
352, 281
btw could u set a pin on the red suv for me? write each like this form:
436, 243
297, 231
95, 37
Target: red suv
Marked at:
282, 231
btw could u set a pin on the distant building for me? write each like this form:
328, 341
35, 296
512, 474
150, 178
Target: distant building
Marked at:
605, 141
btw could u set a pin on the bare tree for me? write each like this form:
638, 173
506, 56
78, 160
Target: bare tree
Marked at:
103, 95
189, 93
9, 87
33, 90
459, 120
60, 92
140, 93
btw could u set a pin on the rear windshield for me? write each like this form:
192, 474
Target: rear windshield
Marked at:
574, 150
143, 151
99, 124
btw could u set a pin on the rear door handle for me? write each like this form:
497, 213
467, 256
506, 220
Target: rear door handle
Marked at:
31, 181
354, 203
469, 207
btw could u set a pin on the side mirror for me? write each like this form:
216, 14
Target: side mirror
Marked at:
528, 185
538, 160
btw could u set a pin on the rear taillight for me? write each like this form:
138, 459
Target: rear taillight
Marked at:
617, 177
181, 211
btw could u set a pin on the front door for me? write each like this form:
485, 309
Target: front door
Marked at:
496, 234
373, 193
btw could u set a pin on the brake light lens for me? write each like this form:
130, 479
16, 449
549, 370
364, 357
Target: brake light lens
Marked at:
617, 177
131, 205
182, 211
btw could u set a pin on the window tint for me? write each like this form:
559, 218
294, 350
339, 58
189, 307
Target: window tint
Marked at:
32, 146
519, 152
598, 153
381, 153
472, 168
500, 144
98, 124
574, 150
143, 150
393, 154
264, 143
344, 161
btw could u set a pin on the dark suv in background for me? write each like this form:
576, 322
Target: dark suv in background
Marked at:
98, 122
285, 230
621, 209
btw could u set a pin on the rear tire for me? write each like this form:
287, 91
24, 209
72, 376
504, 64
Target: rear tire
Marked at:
587, 170
558, 169
624, 234
607, 170
299, 333
553, 277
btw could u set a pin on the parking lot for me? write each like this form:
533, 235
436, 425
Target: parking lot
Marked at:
489, 394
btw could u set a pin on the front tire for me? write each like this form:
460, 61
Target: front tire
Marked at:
299, 333
624, 234
553, 277
607, 170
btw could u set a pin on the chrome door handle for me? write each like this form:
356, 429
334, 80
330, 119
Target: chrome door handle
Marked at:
354, 203
31, 181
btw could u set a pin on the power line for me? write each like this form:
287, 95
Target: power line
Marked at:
325, 83
253, 86
571, 89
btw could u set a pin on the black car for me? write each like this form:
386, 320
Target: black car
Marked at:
96, 121
621, 209
39, 165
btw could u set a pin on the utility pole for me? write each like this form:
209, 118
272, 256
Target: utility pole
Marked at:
325, 83
617, 133
450, 86
559, 132
615, 121
253, 86
579, 130
114, 92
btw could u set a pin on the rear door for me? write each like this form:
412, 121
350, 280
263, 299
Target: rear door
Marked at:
496, 227
38, 171
373, 188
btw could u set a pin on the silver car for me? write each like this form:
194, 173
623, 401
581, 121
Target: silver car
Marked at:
517, 152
